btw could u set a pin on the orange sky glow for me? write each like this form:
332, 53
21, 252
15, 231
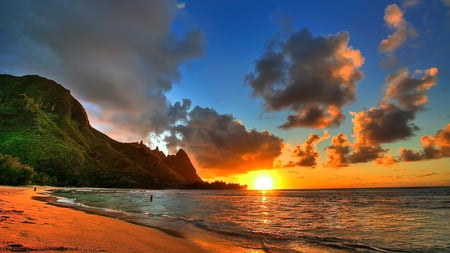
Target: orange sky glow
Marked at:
355, 176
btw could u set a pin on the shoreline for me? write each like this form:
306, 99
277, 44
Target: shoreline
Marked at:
52, 200
67, 226
29, 224
209, 240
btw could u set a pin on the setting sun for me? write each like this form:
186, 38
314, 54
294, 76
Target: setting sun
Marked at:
263, 183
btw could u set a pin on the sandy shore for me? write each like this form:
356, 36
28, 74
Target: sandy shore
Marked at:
30, 225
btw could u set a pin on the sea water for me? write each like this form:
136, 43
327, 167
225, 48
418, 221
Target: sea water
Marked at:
342, 220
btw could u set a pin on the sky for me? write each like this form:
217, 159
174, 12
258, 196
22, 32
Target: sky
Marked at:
314, 94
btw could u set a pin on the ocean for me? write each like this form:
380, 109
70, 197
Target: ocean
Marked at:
340, 220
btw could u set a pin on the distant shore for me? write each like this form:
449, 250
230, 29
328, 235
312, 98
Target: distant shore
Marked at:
27, 224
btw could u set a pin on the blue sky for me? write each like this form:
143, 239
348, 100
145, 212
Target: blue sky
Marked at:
237, 34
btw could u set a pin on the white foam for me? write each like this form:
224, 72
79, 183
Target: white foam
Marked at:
66, 201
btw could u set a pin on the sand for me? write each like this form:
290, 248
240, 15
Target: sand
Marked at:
27, 224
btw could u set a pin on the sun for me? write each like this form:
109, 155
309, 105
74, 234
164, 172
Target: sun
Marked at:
263, 183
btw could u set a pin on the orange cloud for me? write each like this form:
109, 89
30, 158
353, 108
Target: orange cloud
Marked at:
442, 138
393, 16
386, 160
338, 152
306, 155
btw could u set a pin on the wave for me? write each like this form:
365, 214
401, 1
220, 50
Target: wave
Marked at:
271, 241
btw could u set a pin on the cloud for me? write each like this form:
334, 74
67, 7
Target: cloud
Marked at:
306, 155
430, 174
120, 56
410, 3
410, 155
393, 16
179, 111
442, 138
342, 152
433, 147
408, 90
362, 154
446, 3
386, 124
391, 121
386, 160
311, 76
221, 144
337, 153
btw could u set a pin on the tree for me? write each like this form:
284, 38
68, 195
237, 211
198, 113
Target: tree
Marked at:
12, 172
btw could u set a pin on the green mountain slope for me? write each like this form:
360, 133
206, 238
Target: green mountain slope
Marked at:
43, 125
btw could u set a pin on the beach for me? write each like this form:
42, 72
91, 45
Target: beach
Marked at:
321, 220
27, 224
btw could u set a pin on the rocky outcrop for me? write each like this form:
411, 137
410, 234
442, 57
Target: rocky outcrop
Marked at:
183, 166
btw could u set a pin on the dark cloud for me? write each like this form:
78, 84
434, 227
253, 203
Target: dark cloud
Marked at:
392, 121
306, 155
409, 90
221, 144
121, 56
315, 117
386, 124
179, 111
362, 154
433, 147
410, 155
312, 76
341, 153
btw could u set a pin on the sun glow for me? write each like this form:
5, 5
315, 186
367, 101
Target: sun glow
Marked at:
263, 183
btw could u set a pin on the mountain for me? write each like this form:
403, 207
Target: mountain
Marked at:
48, 129
181, 164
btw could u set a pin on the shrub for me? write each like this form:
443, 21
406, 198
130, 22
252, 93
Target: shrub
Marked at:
12, 172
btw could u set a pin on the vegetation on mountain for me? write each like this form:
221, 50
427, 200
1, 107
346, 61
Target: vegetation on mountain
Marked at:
46, 128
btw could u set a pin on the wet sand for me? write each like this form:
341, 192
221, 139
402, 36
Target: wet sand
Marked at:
27, 224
